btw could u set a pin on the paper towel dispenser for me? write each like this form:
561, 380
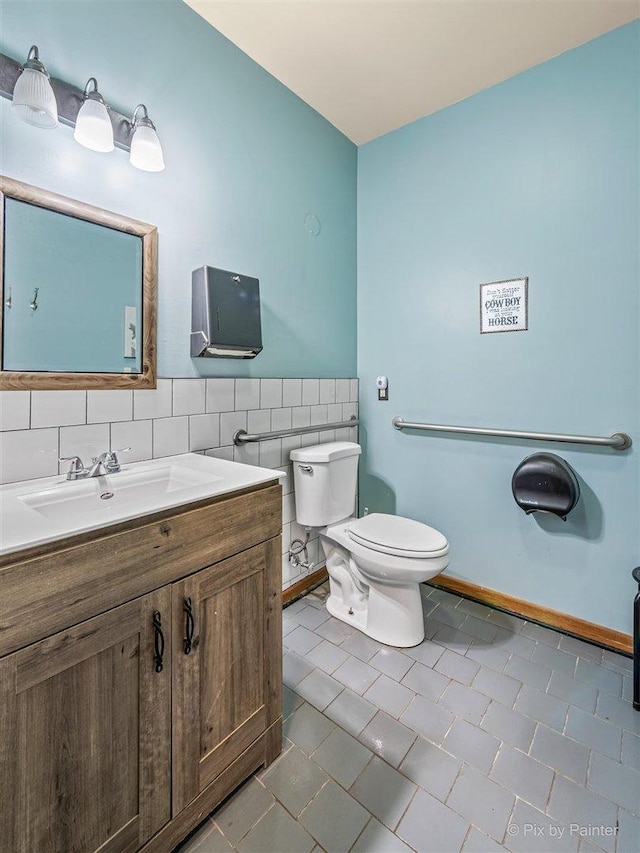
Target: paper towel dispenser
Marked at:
225, 314
544, 482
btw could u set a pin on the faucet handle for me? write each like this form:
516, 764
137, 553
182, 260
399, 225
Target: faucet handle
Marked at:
112, 462
75, 469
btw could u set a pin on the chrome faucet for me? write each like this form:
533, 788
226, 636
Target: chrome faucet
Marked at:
105, 463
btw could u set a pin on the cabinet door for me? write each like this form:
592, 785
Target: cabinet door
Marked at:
85, 721
219, 695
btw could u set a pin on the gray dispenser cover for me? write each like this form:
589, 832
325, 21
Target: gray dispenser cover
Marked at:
225, 314
544, 482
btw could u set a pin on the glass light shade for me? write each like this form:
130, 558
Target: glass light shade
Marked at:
34, 100
146, 151
93, 126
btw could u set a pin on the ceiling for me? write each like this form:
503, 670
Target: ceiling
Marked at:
370, 67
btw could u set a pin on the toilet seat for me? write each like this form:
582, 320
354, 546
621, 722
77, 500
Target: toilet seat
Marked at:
397, 536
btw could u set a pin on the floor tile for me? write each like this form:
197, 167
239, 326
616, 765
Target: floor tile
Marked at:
601, 677
532, 831
361, 646
391, 663
431, 827
294, 668
425, 681
428, 719
443, 616
319, 689
276, 832
481, 628
506, 620
342, 757
356, 675
541, 634
376, 838
529, 672
334, 818
542, 707
616, 710
474, 608
215, 842
478, 842
523, 775
565, 755
334, 630
311, 617
595, 733
628, 832
519, 645
383, 791
615, 782
327, 656
471, 744
290, 701
481, 802
427, 653
301, 640
294, 779
442, 596
510, 726
431, 768
573, 691
453, 639
631, 750
624, 663
494, 657
556, 659
351, 711
387, 738
307, 728
457, 667
502, 688
243, 810
464, 702
581, 649
389, 696
572, 804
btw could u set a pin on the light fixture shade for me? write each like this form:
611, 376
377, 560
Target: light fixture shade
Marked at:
93, 126
146, 151
34, 100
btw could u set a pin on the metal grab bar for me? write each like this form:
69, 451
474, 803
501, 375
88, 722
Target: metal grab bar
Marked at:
242, 436
618, 441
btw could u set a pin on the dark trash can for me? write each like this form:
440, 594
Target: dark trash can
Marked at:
636, 642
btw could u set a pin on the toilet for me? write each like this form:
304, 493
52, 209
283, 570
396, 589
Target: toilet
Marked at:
375, 563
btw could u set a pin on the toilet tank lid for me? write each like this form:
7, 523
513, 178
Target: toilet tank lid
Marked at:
326, 452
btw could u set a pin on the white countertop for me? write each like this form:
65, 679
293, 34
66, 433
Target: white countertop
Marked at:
33, 512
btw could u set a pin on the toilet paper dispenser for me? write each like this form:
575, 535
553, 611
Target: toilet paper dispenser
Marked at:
544, 482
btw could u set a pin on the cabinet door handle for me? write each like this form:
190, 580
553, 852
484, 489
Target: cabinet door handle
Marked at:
158, 640
189, 627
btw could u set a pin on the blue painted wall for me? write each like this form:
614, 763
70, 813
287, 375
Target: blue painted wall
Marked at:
246, 161
536, 177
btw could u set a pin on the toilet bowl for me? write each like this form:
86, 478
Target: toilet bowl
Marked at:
375, 563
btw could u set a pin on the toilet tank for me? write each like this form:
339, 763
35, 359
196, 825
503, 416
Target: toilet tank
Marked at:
324, 482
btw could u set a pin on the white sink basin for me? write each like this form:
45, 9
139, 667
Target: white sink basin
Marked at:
111, 494
38, 511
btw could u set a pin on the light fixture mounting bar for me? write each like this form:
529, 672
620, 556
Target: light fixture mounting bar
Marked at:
69, 100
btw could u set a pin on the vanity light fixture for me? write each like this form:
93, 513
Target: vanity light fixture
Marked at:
93, 125
34, 100
146, 151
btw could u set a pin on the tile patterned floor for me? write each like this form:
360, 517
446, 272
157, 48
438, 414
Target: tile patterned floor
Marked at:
494, 734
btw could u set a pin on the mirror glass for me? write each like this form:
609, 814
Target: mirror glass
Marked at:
72, 294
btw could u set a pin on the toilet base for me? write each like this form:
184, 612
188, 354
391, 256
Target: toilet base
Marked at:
393, 616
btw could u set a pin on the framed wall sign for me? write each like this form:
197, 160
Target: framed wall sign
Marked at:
504, 306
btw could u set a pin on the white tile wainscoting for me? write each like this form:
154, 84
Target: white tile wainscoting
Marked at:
180, 416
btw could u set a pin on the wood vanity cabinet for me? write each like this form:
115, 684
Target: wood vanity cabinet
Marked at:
123, 729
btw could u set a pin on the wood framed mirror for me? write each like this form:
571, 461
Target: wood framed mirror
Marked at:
78, 288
